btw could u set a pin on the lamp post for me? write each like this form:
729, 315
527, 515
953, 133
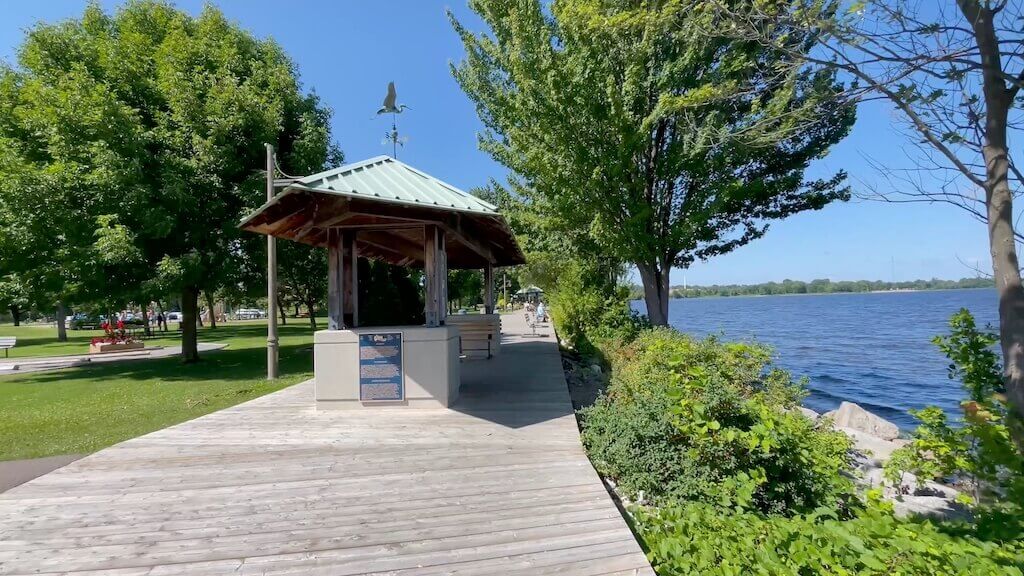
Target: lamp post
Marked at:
272, 343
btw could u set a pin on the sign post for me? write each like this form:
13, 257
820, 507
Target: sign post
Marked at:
272, 343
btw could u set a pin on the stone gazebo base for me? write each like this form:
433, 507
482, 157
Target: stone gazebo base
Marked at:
429, 360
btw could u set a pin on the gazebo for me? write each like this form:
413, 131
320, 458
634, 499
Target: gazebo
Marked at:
529, 294
387, 210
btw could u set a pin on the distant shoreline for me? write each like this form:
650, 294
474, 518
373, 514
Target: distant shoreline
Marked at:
902, 291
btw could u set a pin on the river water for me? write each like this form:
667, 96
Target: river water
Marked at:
873, 349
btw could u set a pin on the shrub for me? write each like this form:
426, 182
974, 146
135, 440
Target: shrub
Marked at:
978, 448
700, 539
687, 419
587, 308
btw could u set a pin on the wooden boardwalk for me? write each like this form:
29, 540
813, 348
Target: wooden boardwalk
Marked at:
497, 485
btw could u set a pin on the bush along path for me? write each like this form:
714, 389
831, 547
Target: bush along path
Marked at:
723, 473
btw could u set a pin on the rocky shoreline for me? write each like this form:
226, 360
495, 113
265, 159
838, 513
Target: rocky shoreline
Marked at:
874, 440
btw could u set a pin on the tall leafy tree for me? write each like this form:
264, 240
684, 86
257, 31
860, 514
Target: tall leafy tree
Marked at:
953, 74
151, 116
659, 144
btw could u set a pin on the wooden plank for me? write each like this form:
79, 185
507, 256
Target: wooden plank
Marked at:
433, 304
500, 486
349, 278
489, 288
442, 277
335, 268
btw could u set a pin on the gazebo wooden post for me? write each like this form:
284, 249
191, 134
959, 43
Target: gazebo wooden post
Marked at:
335, 281
489, 289
350, 279
435, 283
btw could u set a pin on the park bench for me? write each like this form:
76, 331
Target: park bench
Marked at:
531, 322
7, 342
140, 333
479, 334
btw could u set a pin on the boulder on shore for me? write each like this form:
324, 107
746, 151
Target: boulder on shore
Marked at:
872, 446
850, 415
810, 414
911, 497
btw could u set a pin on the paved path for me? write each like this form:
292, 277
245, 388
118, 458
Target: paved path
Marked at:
40, 363
498, 485
16, 472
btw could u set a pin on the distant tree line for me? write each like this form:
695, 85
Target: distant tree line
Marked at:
821, 286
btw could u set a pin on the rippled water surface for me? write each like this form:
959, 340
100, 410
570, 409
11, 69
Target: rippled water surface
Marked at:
873, 349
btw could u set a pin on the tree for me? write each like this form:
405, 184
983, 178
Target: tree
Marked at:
66, 153
954, 76
389, 295
156, 118
13, 296
465, 287
302, 271
661, 144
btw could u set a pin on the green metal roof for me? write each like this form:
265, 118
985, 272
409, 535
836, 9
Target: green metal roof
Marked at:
388, 203
385, 178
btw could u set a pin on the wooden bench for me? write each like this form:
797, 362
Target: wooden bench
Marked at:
531, 322
7, 342
479, 334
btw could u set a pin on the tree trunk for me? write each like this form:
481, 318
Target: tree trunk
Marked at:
655, 280
209, 306
281, 309
312, 314
145, 320
189, 319
16, 314
62, 331
999, 201
1006, 269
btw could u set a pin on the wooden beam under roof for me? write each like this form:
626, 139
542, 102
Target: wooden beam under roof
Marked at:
413, 251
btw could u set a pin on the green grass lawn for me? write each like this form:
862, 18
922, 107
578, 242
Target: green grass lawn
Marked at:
80, 410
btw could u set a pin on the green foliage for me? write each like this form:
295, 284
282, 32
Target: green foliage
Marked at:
129, 149
699, 539
659, 144
588, 306
389, 295
979, 448
13, 293
465, 287
687, 419
302, 275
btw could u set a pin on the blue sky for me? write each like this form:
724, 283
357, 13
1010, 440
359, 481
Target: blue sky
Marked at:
348, 51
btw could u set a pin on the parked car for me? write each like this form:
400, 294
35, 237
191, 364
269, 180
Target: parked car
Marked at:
250, 314
174, 316
83, 321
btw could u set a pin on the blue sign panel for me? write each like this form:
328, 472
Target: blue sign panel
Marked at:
380, 367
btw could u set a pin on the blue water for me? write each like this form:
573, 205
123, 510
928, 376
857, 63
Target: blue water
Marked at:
873, 349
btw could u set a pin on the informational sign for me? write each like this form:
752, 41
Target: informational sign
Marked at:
380, 367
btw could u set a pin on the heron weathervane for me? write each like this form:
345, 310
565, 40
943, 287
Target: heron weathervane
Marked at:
390, 106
